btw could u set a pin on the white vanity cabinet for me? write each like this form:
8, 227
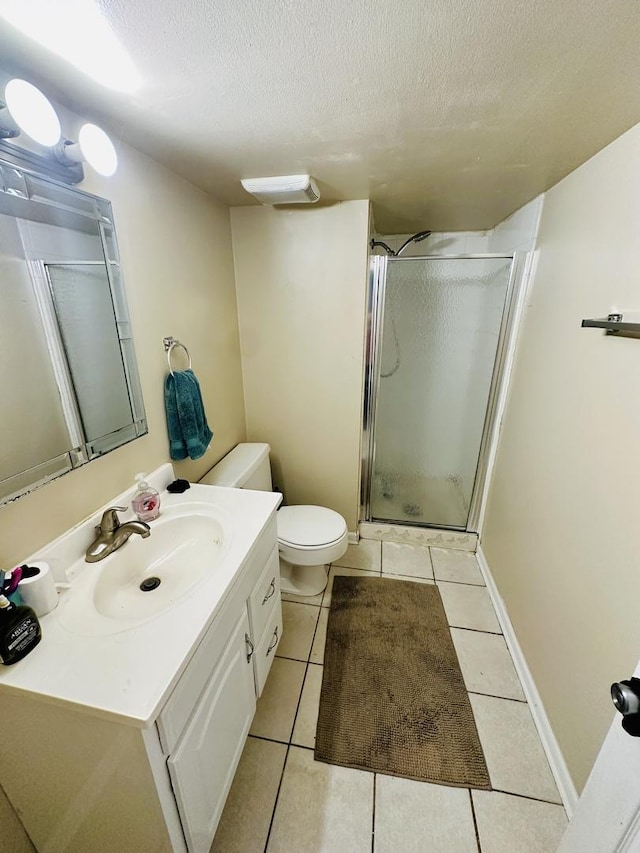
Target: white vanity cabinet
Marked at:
204, 739
82, 781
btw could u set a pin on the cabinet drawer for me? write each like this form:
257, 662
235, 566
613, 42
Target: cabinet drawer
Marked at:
266, 649
264, 597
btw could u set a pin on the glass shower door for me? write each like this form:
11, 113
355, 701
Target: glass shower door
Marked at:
438, 335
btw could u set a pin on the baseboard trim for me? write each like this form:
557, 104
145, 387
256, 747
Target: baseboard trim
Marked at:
353, 538
554, 755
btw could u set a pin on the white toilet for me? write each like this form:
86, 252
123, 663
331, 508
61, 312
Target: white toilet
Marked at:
309, 537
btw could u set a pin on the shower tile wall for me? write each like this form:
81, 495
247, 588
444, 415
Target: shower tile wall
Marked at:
440, 243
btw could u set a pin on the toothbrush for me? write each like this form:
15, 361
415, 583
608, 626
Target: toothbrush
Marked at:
11, 585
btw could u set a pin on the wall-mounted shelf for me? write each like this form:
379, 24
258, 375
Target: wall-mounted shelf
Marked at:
615, 323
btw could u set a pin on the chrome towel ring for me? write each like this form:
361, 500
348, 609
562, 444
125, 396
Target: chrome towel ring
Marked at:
170, 344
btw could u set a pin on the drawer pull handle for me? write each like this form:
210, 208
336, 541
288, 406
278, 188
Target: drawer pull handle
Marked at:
270, 591
247, 640
274, 642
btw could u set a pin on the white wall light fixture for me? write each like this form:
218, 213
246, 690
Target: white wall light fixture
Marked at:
26, 109
93, 147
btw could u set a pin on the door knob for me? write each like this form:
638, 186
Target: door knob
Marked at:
625, 696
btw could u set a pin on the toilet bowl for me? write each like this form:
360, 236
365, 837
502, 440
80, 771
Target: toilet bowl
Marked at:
309, 537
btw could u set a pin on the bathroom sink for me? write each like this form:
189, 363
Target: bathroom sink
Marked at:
146, 577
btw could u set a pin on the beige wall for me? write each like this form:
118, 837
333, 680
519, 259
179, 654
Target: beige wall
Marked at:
175, 247
14, 837
561, 534
301, 283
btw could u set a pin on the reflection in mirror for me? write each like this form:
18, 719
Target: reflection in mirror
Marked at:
71, 390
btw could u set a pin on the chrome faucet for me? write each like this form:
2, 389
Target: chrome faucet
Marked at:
112, 535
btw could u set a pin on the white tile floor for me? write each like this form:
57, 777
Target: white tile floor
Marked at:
283, 801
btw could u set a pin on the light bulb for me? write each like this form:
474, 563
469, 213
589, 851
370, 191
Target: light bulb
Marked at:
32, 112
97, 149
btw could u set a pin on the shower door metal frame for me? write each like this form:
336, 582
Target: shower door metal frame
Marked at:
375, 313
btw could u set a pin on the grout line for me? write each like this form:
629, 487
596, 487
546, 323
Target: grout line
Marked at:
475, 822
270, 739
356, 569
373, 817
461, 583
293, 725
527, 797
410, 578
480, 631
477, 630
299, 660
275, 802
295, 716
306, 603
304, 678
495, 696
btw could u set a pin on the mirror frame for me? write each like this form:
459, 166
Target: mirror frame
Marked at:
25, 185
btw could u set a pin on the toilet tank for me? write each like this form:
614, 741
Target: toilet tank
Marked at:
245, 467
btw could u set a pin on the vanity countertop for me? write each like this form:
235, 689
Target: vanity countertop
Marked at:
129, 675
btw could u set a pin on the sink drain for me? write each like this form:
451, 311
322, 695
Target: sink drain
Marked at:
150, 583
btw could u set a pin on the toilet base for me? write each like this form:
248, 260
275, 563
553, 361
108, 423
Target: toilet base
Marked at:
302, 580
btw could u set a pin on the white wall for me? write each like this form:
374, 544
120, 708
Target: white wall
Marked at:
518, 232
561, 526
301, 279
175, 247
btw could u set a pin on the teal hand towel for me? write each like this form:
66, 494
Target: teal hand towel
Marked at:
189, 432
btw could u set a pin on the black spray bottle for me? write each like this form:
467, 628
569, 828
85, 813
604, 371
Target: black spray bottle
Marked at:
19, 631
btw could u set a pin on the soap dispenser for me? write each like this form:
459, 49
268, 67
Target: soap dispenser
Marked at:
20, 631
146, 501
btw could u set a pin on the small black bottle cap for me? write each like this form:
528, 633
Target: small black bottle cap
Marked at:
178, 487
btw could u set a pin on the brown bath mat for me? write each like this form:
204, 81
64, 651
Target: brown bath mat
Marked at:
393, 699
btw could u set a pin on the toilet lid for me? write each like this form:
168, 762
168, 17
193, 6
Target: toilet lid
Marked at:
309, 526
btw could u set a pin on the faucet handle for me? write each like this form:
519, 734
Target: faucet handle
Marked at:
110, 520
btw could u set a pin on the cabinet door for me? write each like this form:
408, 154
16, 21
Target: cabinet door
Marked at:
203, 765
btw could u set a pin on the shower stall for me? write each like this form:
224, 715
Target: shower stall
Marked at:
437, 335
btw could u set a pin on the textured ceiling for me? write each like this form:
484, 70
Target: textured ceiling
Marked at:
448, 114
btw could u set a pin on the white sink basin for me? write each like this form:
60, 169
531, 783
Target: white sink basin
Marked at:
146, 577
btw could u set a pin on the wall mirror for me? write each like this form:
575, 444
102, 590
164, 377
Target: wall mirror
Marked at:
70, 385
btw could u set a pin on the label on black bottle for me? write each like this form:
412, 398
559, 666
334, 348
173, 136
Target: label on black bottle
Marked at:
22, 634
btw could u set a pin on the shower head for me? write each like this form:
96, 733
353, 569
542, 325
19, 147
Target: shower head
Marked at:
416, 238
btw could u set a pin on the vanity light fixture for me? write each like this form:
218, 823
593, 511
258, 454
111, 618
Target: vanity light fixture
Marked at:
27, 109
93, 147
